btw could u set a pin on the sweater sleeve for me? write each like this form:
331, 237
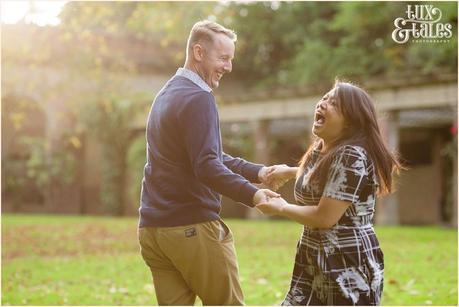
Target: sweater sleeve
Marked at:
242, 167
200, 129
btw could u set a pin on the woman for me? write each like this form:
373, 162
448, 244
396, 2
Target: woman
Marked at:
338, 259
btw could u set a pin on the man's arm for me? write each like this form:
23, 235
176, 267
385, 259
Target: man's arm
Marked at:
248, 170
200, 129
273, 177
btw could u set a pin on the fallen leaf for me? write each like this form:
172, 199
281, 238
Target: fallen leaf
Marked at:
149, 288
410, 283
262, 281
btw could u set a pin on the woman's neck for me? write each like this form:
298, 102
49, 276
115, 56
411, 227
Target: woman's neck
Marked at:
325, 147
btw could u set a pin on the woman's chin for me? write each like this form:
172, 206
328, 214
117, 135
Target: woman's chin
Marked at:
316, 130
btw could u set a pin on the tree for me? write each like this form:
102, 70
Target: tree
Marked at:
284, 43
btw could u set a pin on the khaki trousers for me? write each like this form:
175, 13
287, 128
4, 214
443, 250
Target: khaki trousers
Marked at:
192, 260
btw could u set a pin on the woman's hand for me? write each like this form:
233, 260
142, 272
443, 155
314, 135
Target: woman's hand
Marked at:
278, 175
263, 195
274, 206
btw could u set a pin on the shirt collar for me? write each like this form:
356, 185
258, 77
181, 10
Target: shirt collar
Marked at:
194, 77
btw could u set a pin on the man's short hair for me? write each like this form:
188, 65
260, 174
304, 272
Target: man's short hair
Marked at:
203, 31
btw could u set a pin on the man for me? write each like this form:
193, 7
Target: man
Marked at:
183, 240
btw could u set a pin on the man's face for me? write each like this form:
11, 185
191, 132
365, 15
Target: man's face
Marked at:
217, 60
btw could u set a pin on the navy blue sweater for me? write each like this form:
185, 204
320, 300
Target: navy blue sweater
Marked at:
186, 169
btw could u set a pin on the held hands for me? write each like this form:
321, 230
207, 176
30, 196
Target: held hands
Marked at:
276, 176
263, 196
273, 206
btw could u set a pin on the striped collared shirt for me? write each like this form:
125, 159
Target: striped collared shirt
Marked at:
194, 77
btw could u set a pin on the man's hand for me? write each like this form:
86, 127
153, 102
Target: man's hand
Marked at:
263, 195
276, 176
273, 206
263, 174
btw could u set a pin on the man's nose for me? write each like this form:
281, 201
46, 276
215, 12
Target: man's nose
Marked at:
228, 67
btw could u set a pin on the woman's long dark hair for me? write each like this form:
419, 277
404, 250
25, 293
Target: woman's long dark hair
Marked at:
361, 129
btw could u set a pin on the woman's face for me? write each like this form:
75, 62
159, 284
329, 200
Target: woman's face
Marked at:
328, 121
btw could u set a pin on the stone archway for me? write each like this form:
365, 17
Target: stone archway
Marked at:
23, 130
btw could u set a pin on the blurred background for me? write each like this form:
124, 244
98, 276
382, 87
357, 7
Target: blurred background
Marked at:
78, 79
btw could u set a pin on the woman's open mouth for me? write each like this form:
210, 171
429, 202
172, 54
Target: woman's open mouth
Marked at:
319, 119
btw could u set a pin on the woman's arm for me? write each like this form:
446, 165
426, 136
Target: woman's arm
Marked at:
278, 175
324, 215
283, 172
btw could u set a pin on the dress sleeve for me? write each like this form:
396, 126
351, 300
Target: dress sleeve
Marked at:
347, 175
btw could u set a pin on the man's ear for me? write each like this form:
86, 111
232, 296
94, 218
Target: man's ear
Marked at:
198, 52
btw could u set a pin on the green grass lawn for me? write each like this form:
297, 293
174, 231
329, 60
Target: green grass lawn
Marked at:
61, 260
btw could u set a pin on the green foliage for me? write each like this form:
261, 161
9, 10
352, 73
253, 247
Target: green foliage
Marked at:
110, 121
311, 43
136, 159
165, 23
33, 163
69, 260
46, 168
237, 141
449, 155
284, 43
108, 108
435, 58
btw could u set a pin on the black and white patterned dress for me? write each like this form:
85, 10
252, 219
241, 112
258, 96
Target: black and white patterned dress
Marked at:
342, 265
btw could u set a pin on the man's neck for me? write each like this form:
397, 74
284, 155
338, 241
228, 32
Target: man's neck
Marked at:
194, 68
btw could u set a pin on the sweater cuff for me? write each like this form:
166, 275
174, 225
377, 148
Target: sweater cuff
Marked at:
251, 172
246, 194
